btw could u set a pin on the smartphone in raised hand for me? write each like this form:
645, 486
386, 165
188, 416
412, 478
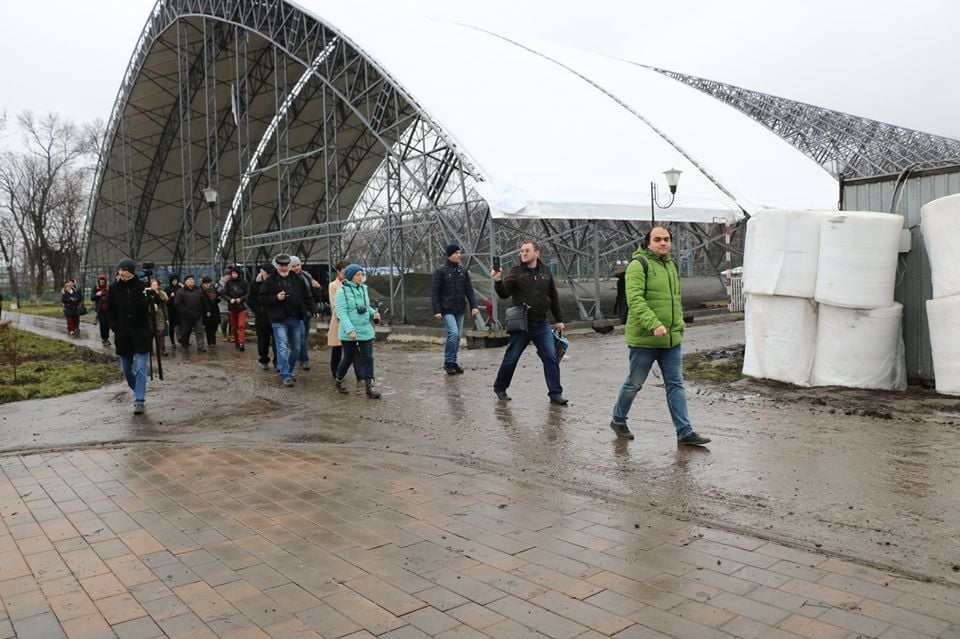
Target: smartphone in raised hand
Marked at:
496, 262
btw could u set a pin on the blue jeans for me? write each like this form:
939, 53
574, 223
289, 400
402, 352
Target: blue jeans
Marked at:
363, 364
454, 325
303, 354
671, 365
286, 337
135, 371
541, 334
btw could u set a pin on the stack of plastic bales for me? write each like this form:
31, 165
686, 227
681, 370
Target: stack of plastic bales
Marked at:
820, 306
940, 223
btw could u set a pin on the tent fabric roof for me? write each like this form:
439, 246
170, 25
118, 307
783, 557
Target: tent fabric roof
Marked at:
561, 133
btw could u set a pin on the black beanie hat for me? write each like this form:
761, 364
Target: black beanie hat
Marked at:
452, 248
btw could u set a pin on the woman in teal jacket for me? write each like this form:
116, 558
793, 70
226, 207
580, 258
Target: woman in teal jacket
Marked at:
654, 330
356, 330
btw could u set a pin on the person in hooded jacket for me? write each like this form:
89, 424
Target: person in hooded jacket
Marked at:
356, 319
99, 297
654, 330
130, 319
71, 299
235, 293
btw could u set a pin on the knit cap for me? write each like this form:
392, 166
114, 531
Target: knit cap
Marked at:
352, 270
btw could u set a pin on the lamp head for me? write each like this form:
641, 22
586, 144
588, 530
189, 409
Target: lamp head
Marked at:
210, 195
673, 178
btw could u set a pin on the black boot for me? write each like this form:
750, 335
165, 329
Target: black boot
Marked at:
341, 388
372, 393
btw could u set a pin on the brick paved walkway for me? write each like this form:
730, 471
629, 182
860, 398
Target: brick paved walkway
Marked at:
295, 542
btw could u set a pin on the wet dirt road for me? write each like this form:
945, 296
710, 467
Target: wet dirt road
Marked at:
872, 476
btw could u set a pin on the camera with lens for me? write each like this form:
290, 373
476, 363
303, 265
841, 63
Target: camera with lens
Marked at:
361, 309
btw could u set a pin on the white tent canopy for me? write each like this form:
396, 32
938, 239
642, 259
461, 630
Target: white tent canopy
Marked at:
561, 133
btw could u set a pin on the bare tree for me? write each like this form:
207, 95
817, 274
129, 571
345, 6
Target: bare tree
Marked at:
41, 192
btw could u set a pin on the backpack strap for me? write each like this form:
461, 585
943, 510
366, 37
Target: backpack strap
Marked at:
646, 271
626, 303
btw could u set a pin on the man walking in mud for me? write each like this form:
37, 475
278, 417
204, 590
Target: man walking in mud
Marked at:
129, 310
654, 330
532, 287
449, 287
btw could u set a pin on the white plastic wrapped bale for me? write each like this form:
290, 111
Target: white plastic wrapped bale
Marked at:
940, 224
782, 250
942, 317
860, 348
781, 335
858, 259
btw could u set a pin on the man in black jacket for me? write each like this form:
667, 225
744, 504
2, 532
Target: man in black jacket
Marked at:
261, 321
531, 285
451, 283
190, 304
132, 335
285, 298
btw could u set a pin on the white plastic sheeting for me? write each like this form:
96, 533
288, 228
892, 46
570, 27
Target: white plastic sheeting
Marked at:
582, 140
940, 224
781, 337
860, 348
782, 251
942, 316
857, 267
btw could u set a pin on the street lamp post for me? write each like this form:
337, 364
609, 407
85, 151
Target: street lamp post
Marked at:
210, 196
673, 178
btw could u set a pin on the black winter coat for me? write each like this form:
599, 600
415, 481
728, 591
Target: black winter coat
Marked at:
129, 317
236, 289
189, 303
294, 305
451, 283
71, 303
211, 306
173, 315
534, 287
254, 303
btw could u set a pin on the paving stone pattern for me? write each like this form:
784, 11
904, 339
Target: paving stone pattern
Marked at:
301, 541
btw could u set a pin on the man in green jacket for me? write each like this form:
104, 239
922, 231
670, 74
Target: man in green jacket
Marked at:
654, 330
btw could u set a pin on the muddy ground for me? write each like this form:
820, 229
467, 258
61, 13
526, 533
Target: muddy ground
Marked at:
862, 474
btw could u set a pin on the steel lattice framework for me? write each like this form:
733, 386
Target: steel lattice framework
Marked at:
313, 149
846, 145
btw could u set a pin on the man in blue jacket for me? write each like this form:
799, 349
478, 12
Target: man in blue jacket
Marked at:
451, 283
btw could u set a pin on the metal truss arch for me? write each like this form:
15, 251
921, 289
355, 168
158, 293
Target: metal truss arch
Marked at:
128, 195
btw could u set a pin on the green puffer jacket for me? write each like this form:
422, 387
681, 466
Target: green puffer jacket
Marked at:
661, 305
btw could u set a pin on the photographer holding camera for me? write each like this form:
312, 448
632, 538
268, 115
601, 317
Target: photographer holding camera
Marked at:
132, 335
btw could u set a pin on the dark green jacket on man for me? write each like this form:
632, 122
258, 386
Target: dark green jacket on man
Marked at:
653, 299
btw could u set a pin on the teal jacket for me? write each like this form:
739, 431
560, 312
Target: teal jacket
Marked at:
653, 299
350, 298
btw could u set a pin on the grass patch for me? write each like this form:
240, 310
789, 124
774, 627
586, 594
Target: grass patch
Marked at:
50, 368
44, 310
708, 367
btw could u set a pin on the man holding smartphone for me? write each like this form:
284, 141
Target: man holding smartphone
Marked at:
451, 284
531, 285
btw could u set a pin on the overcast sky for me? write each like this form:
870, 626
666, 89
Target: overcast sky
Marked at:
892, 61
